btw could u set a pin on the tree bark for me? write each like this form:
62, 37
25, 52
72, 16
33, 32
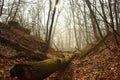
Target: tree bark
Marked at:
41, 69
1, 7
72, 5
111, 15
116, 13
10, 11
104, 15
52, 22
50, 4
94, 18
16, 10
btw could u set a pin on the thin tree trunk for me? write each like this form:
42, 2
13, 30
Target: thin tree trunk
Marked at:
111, 15
10, 11
1, 7
112, 21
57, 17
16, 10
85, 23
73, 14
94, 17
104, 15
51, 26
116, 13
108, 23
50, 5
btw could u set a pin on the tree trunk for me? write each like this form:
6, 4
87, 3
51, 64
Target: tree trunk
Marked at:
111, 15
74, 24
16, 10
94, 18
1, 9
116, 13
47, 25
40, 70
52, 22
10, 11
104, 15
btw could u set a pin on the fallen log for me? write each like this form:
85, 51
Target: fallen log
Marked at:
41, 69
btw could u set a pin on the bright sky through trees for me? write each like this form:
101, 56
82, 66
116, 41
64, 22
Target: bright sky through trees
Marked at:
76, 22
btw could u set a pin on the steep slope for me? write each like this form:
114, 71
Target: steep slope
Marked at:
101, 64
16, 46
19, 37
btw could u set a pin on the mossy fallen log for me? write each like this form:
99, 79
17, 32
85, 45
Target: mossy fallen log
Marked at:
39, 70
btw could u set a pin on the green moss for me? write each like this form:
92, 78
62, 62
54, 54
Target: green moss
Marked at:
42, 69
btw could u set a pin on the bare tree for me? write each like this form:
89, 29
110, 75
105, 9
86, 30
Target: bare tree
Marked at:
74, 23
111, 14
9, 14
104, 15
16, 10
1, 6
52, 21
48, 19
116, 12
93, 18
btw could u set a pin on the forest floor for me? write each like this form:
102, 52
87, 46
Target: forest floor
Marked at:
18, 47
102, 63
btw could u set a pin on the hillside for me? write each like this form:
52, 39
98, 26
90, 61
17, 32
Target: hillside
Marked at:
16, 46
102, 63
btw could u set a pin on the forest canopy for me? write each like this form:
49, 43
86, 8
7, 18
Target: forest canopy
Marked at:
65, 25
